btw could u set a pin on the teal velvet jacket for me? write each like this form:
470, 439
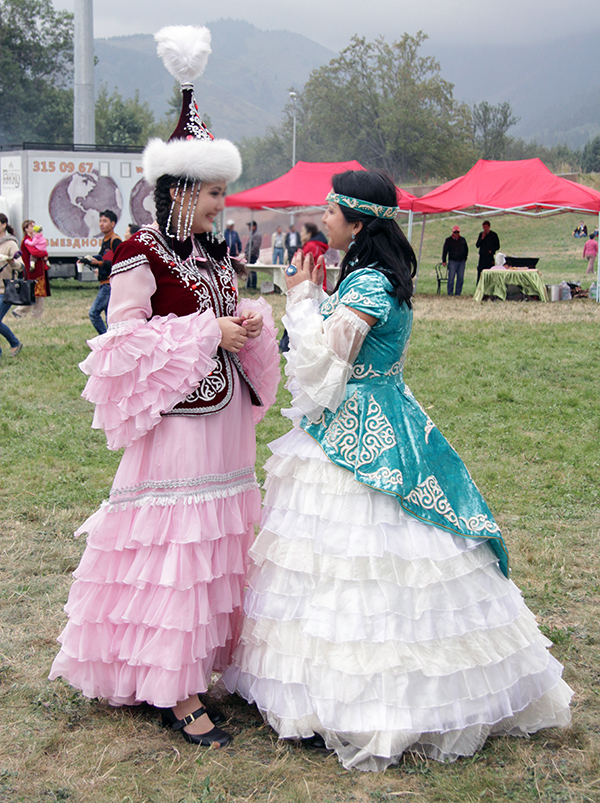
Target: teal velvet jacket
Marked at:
382, 434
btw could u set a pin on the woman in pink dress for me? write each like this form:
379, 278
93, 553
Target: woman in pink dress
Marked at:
179, 379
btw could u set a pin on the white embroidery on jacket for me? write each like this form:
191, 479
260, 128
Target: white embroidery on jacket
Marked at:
479, 523
342, 433
392, 475
430, 496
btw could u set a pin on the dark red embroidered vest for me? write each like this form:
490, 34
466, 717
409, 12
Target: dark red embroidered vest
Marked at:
183, 286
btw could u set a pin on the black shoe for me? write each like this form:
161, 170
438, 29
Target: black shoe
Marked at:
316, 742
213, 738
216, 717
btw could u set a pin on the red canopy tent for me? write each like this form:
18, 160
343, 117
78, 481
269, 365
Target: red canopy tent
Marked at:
304, 186
525, 187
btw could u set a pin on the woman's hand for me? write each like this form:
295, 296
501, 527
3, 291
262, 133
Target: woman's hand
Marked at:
252, 322
305, 270
233, 334
319, 276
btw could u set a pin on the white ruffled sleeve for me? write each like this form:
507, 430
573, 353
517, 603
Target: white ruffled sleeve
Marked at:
260, 356
139, 369
321, 354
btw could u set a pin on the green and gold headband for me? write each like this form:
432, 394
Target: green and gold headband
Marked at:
385, 212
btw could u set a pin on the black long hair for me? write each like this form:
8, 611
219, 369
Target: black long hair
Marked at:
380, 243
163, 203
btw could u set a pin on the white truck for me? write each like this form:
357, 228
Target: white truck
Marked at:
64, 191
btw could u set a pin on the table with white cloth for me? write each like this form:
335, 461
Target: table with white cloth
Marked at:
494, 281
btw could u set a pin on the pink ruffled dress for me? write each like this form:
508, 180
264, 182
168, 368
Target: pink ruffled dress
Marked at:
155, 605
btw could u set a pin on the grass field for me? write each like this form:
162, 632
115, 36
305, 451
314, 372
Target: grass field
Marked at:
514, 387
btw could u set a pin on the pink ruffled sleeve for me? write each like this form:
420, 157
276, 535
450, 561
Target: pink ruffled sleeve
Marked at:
140, 369
260, 356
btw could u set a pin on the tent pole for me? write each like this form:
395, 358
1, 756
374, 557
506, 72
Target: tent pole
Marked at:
420, 252
410, 226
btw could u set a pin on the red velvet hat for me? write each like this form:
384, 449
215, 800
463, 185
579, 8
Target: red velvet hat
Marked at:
191, 152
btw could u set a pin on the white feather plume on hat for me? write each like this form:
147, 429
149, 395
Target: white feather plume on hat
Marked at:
184, 50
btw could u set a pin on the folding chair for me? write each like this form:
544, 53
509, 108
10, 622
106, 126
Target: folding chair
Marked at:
441, 272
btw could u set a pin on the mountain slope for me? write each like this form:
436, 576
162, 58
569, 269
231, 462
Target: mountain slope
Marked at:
246, 83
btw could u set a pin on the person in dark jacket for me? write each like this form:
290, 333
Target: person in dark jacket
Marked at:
252, 252
102, 264
232, 238
488, 243
456, 252
292, 242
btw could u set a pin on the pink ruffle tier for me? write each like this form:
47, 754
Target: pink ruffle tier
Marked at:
140, 369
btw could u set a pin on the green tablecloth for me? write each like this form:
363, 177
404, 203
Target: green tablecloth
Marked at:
493, 283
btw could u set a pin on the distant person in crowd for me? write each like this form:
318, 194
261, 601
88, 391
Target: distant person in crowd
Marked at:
252, 253
232, 238
292, 242
102, 265
580, 230
9, 261
488, 243
34, 253
130, 231
277, 245
455, 253
590, 252
314, 242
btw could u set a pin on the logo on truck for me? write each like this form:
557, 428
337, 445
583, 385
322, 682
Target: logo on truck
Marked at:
77, 200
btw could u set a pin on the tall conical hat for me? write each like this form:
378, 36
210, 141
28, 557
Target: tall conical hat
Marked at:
191, 152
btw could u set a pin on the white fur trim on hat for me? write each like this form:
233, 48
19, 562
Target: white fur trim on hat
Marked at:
196, 159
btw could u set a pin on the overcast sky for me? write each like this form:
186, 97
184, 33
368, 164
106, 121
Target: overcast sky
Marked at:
333, 22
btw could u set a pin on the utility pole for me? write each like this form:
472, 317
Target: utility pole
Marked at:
294, 98
84, 107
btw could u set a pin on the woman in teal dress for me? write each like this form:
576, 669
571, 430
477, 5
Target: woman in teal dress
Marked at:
379, 617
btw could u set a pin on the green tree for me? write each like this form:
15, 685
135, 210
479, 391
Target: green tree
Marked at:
264, 158
558, 158
379, 103
121, 121
36, 58
388, 107
490, 124
590, 160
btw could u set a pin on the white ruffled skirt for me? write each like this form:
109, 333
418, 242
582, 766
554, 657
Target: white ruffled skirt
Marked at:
379, 632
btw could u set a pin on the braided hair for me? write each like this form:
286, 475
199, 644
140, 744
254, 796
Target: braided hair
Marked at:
163, 201
380, 243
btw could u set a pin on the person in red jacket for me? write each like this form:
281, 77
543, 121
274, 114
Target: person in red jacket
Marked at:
36, 267
314, 242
